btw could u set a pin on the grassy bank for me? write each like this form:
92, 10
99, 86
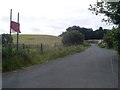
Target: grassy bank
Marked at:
33, 54
37, 39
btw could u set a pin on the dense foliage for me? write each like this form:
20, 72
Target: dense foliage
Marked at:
109, 9
112, 38
88, 33
112, 11
73, 38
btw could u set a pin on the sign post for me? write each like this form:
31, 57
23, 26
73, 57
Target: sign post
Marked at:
18, 33
10, 20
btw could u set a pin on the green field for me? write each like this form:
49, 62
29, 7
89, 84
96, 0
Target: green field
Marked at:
33, 53
38, 39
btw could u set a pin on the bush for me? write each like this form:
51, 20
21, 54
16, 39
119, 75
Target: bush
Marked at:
12, 59
109, 39
73, 38
112, 38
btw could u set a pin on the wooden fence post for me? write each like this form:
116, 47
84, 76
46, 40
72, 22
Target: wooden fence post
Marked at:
41, 48
23, 46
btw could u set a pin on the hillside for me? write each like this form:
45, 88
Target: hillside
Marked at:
37, 39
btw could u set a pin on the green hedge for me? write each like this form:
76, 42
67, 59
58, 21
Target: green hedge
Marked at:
112, 38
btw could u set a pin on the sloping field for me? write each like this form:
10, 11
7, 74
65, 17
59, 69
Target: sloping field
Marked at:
38, 39
31, 51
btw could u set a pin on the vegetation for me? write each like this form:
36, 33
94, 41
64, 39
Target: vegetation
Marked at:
112, 11
112, 38
36, 49
38, 39
88, 33
73, 38
109, 9
30, 53
6, 38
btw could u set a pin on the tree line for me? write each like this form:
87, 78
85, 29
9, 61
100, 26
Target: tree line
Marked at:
112, 11
110, 37
88, 33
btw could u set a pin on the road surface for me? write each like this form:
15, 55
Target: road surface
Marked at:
92, 68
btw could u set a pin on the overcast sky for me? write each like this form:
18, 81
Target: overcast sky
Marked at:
50, 17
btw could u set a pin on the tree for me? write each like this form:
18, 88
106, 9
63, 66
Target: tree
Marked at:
73, 38
112, 11
100, 28
99, 33
109, 9
88, 33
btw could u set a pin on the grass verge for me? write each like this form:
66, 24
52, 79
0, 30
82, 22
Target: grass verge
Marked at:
21, 59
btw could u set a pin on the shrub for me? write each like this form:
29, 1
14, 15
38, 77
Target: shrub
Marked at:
13, 59
112, 38
109, 39
72, 38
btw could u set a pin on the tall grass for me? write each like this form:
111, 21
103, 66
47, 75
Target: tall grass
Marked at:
31, 54
38, 39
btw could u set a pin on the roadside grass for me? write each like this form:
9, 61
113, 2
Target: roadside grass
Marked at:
24, 59
32, 53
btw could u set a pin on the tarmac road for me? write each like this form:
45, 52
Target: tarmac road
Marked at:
92, 68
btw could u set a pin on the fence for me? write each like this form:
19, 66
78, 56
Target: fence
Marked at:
38, 48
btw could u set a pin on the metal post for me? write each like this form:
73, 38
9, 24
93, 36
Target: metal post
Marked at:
9, 40
17, 33
10, 20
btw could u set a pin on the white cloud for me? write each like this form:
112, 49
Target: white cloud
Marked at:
48, 16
